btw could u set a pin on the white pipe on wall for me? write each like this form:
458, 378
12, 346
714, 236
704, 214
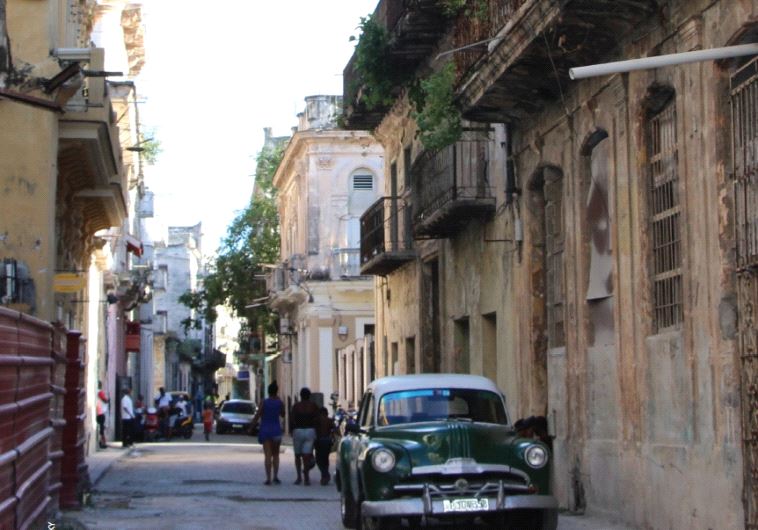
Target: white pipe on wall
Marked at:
617, 67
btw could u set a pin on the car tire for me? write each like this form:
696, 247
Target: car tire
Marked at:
219, 430
349, 510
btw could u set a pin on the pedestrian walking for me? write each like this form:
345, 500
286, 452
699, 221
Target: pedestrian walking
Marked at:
323, 445
303, 418
270, 432
127, 419
101, 409
207, 421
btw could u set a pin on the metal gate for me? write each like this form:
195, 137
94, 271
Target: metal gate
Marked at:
744, 102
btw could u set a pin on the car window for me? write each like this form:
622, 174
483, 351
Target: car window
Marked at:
412, 406
238, 408
367, 411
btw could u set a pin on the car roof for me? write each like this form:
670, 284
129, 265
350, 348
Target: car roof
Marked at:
396, 383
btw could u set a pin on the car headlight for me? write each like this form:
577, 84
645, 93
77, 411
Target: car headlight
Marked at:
536, 456
383, 460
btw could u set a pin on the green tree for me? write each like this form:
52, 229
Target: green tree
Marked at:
252, 239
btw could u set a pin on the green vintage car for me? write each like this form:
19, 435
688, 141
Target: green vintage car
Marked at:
430, 448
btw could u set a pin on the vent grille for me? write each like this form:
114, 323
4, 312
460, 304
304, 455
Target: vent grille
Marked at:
363, 182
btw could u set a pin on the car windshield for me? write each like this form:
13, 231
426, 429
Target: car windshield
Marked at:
238, 408
411, 406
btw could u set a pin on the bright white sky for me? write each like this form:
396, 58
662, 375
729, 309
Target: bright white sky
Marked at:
217, 72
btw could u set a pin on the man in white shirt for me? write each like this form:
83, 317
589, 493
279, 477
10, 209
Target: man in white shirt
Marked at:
163, 403
127, 418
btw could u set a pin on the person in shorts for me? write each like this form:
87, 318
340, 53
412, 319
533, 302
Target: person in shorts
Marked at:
303, 422
270, 432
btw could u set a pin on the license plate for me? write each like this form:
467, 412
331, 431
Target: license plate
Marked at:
465, 505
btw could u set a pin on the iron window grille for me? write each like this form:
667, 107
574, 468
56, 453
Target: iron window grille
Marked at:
665, 218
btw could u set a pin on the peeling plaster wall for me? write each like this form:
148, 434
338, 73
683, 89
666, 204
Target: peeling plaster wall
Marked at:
647, 425
476, 279
643, 414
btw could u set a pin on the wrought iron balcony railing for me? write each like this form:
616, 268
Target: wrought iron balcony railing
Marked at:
346, 262
386, 236
452, 187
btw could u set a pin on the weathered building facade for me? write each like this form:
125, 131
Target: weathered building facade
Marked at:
325, 181
64, 208
603, 270
185, 357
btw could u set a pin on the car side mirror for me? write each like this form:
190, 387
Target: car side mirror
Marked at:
353, 428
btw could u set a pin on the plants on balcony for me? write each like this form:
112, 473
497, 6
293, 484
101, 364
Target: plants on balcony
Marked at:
373, 64
438, 118
472, 8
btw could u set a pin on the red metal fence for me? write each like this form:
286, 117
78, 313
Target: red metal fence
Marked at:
33, 419
74, 471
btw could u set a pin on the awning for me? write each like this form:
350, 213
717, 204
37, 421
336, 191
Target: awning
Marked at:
133, 245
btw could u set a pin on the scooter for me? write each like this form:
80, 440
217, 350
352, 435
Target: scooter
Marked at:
150, 428
182, 426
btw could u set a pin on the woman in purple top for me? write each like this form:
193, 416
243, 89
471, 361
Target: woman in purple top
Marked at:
270, 432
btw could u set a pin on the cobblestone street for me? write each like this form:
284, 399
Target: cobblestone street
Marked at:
200, 485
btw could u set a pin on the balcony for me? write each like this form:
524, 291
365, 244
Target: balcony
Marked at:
414, 27
346, 262
386, 237
453, 188
89, 154
283, 283
517, 76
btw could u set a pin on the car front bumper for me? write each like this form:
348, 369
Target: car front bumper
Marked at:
233, 424
425, 506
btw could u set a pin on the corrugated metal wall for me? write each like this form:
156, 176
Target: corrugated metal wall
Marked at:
33, 421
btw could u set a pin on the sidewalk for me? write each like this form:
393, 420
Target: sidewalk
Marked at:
99, 462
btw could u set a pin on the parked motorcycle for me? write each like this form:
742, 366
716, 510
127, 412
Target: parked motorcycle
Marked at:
150, 427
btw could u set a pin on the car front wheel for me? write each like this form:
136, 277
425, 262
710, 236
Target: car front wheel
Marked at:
348, 510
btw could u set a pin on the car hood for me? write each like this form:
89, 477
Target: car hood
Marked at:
433, 443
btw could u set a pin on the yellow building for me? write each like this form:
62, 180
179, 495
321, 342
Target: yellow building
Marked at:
68, 186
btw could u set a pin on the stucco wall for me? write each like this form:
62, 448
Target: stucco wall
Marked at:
27, 190
642, 413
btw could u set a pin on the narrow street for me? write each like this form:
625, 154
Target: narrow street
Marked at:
198, 484
193, 484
